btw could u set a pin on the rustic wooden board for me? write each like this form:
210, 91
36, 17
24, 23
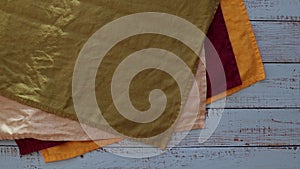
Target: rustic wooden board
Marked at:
278, 41
278, 10
192, 158
280, 89
242, 127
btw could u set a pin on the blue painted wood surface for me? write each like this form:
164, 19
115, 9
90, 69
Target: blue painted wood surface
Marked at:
260, 127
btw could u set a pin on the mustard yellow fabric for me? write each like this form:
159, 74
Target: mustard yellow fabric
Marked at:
40, 42
73, 149
244, 46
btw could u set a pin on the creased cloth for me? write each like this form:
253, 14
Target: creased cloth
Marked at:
218, 36
244, 45
189, 108
239, 48
39, 73
20, 121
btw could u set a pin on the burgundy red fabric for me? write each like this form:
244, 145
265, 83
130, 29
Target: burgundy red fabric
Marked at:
219, 37
29, 145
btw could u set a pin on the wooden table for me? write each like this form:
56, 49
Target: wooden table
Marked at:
260, 127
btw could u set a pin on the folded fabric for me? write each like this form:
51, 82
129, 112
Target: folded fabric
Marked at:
218, 36
74, 149
54, 34
22, 121
244, 46
255, 76
18, 121
189, 109
27, 146
223, 73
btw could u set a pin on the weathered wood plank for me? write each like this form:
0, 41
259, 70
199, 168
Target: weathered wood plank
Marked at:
244, 127
266, 94
280, 89
7, 143
217, 158
279, 10
278, 41
253, 127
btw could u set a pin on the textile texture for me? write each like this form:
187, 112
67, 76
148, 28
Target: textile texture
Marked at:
47, 37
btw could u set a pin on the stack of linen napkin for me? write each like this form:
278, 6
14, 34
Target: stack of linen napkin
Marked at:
61, 97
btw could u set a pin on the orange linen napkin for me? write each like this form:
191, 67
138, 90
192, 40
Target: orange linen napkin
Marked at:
74, 149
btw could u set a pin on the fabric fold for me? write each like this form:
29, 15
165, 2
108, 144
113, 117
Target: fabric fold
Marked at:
244, 45
232, 23
65, 130
56, 33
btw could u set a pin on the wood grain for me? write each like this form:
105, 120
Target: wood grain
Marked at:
192, 158
242, 127
281, 89
247, 128
278, 42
